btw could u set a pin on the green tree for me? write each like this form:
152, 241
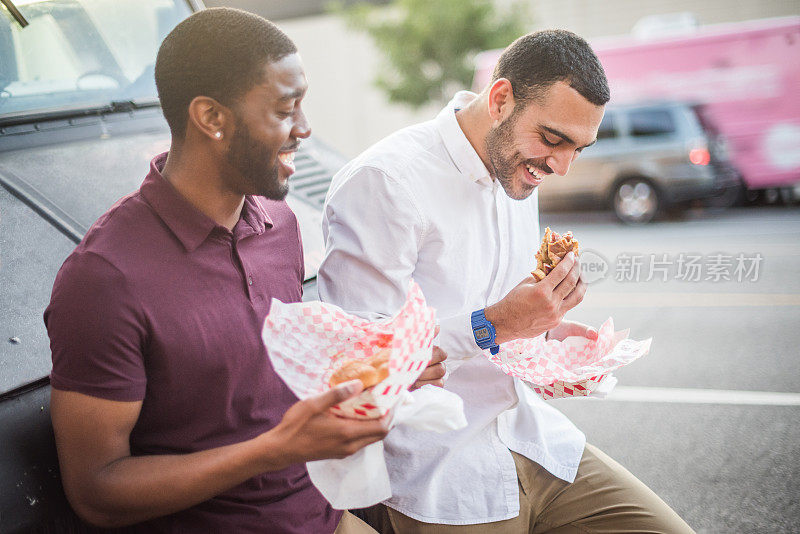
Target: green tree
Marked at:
429, 45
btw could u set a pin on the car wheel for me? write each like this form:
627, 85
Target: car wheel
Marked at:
728, 197
635, 201
788, 196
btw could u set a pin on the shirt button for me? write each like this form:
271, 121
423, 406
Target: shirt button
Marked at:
250, 280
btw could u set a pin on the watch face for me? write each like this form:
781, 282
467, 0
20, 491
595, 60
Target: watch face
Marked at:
482, 333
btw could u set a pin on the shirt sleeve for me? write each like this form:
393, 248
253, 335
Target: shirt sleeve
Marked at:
96, 331
373, 232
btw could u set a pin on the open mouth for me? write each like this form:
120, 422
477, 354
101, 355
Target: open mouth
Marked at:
534, 175
287, 160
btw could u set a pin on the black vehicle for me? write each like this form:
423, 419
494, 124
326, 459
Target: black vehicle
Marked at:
79, 124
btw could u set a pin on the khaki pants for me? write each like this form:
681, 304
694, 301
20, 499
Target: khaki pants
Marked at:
604, 498
350, 524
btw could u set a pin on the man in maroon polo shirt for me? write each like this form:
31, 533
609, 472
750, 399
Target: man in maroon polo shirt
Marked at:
166, 410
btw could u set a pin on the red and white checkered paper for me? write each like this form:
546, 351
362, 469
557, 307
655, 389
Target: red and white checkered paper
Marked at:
306, 340
570, 368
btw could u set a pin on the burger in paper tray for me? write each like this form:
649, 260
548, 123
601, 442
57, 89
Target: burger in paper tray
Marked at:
576, 366
314, 346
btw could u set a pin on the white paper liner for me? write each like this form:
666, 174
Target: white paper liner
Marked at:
576, 366
306, 341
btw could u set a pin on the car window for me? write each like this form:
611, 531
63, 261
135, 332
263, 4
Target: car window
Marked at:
79, 53
608, 128
31, 252
651, 122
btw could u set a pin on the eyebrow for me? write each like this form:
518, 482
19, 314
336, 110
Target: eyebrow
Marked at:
565, 137
297, 93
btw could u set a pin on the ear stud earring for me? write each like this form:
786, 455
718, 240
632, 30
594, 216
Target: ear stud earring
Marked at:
218, 135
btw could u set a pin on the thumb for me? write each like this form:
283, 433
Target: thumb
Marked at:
585, 331
436, 332
578, 329
335, 395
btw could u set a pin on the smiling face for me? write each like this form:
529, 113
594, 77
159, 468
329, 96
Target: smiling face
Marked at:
269, 123
539, 137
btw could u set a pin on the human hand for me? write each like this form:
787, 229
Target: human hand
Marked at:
532, 308
309, 431
434, 373
572, 328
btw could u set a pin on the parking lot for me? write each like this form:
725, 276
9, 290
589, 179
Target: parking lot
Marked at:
710, 419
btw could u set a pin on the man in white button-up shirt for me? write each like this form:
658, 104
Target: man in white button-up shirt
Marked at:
452, 204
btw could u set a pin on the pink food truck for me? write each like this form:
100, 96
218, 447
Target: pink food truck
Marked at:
745, 76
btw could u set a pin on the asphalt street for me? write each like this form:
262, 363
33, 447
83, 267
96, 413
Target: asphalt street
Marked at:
710, 418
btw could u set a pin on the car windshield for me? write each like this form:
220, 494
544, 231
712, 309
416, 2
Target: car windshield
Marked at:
77, 54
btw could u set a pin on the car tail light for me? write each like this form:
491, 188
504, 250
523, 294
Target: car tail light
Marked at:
699, 156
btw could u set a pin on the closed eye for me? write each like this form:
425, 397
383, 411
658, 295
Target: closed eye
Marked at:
550, 143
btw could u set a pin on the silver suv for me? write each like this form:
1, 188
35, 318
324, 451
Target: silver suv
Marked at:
648, 158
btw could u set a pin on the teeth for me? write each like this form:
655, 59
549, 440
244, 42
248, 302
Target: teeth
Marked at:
535, 172
286, 157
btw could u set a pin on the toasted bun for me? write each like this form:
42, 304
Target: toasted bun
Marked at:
353, 369
380, 358
370, 372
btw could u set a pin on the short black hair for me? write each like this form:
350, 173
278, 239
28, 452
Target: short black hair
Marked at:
536, 61
218, 53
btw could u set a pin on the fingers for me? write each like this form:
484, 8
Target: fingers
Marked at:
438, 356
560, 271
355, 446
433, 374
439, 383
574, 298
335, 395
366, 430
583, 330
354, 435
569, 282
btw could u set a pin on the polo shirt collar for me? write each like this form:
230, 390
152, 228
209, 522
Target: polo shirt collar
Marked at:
464, 156
186, 222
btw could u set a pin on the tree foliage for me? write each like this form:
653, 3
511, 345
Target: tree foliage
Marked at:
428, 45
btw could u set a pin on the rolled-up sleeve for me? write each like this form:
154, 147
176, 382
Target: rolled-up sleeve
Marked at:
96, 331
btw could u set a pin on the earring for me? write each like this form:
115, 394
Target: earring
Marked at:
218, 135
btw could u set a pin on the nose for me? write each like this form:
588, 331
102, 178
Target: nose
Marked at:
560, 160
301, 128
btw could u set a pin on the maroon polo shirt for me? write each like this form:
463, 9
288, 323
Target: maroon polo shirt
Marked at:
160, 304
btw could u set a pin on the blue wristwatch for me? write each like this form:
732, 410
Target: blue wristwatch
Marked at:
484, 332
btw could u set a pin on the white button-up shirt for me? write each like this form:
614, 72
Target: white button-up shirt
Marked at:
421, 205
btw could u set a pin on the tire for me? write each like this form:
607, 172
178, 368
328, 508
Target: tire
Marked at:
771, 195
787, 196
728, 197
635, 201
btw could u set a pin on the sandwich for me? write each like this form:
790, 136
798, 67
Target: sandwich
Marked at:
371, 371
554, 248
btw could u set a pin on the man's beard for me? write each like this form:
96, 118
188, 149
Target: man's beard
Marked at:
503, 164
251, 159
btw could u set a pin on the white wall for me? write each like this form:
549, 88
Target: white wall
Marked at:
346, 110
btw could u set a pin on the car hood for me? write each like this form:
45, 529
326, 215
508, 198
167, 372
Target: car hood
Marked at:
84, 178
